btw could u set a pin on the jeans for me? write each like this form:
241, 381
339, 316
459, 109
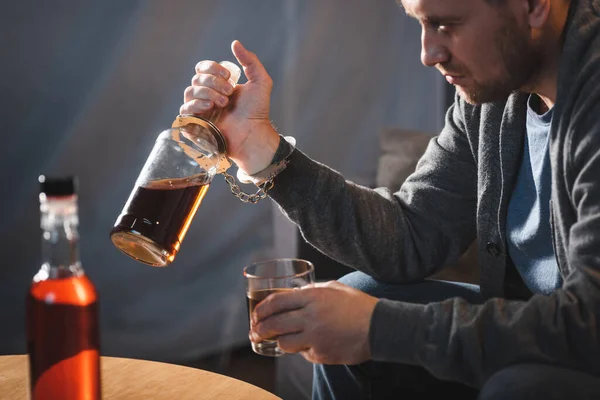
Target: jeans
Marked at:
379, 380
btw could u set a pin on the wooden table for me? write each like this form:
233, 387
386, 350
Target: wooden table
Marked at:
129, 379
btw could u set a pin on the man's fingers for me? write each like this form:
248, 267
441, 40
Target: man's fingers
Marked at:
196, 107
215, 82
204, 93
293, 342
280, 324
253, 68
327, 284
279, 302
212, 68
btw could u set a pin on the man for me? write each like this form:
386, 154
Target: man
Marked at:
517, 168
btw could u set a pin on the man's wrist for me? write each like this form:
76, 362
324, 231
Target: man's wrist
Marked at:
258, 150
278, 163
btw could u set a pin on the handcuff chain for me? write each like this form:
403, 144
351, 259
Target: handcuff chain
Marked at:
260, 194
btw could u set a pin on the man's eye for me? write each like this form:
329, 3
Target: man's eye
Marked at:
440, 26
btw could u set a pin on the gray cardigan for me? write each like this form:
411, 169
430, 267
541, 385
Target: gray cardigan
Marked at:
459, 193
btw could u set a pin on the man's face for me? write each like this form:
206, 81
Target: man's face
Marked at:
485, 50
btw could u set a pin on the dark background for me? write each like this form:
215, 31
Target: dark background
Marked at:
86, 86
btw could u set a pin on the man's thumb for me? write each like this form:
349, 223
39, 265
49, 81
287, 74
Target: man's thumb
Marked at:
253, 68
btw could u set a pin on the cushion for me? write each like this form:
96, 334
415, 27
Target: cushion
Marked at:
400, 149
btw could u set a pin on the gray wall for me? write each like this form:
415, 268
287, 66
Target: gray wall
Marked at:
87, 86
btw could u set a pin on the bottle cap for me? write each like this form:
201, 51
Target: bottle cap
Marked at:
58, 186
234, 70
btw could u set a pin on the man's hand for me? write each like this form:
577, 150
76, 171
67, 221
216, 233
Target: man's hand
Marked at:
327, 323
244, 120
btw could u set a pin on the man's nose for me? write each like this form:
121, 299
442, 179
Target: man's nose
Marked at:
433, 52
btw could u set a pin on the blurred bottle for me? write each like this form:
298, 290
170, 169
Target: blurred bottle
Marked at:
62, 306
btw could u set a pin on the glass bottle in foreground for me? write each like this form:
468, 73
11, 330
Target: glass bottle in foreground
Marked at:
63, 342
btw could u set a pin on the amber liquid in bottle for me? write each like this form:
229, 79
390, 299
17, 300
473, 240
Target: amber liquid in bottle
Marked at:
63, 341
156, 218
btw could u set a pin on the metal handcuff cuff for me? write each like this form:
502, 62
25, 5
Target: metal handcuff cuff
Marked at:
262, 179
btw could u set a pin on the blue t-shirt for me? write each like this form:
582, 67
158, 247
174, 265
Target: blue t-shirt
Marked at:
528, 219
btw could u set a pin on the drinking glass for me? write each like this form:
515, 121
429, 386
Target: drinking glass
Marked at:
273, 276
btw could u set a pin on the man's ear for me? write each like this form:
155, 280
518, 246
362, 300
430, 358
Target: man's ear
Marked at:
538, 11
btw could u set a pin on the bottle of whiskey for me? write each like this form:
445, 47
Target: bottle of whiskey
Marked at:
62, 305
171, 186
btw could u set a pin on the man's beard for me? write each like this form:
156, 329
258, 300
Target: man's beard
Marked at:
521, 60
